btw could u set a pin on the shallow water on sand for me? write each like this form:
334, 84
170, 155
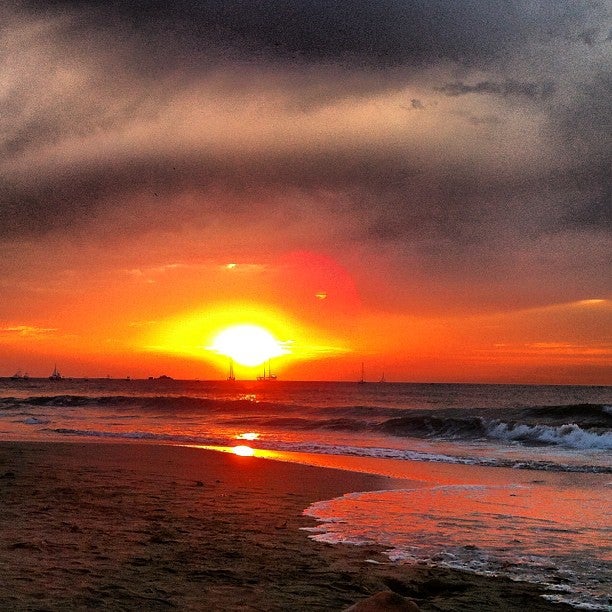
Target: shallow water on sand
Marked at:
553, 531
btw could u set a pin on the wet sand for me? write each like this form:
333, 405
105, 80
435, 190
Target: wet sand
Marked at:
140, 526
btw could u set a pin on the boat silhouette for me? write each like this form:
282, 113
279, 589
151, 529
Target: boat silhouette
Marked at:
19, 375
55, 375
269, 375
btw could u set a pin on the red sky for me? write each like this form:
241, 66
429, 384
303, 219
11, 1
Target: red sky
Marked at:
424, 191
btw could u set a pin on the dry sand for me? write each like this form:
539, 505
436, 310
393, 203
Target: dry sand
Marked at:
138, 526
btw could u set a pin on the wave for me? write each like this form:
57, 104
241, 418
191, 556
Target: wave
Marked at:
300, 423
575, 426
587, 415
567, 435
432, 425
135, 435
331, 449
145, 403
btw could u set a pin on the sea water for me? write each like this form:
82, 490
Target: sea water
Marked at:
499, 479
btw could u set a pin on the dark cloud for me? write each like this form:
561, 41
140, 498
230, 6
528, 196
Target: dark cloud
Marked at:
360, 32
527, 89
120, 113
582, 126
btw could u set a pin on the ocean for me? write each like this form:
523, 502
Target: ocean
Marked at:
499, 479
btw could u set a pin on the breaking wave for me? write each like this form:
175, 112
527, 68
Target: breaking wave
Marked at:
568, 435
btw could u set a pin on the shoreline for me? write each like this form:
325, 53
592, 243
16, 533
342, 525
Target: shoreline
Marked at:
126, 525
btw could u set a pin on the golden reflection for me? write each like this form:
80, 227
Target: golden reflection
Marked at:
243, 451
249, 435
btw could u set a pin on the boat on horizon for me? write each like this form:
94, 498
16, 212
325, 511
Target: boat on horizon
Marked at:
231, 377
19, 375
269, 375
55, 375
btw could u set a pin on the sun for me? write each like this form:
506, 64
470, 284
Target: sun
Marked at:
247, 345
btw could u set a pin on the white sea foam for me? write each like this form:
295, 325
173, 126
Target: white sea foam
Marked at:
569, 435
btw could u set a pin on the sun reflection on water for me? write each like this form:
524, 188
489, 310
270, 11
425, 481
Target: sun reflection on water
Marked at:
243, 451
249, 435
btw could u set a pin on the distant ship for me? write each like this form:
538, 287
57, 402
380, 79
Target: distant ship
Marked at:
362, 380
55, 375
269, 375
19, 375
232, 376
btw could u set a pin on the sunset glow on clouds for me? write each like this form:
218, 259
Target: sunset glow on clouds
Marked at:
439, 171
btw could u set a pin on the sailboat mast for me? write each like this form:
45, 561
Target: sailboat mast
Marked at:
362, 379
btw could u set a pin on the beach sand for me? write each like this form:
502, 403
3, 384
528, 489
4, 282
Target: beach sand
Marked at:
140, 526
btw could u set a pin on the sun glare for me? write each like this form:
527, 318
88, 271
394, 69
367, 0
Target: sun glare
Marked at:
243, 451
248, 345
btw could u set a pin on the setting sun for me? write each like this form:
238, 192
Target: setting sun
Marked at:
248, 345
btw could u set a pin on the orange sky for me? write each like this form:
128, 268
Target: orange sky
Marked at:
148, 321
438, 210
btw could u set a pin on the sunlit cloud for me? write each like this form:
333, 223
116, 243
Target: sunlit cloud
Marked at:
246, 268
27, 331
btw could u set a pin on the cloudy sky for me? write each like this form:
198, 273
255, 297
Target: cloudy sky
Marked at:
422, 185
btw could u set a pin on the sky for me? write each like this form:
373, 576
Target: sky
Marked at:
421, 186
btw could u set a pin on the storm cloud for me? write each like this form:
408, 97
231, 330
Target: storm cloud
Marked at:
125, 118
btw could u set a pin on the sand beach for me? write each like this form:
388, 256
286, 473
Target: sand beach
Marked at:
143, 526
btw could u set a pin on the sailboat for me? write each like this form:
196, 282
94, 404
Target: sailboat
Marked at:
19, 375
231, 376
55, 374
269, 375
362, 380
